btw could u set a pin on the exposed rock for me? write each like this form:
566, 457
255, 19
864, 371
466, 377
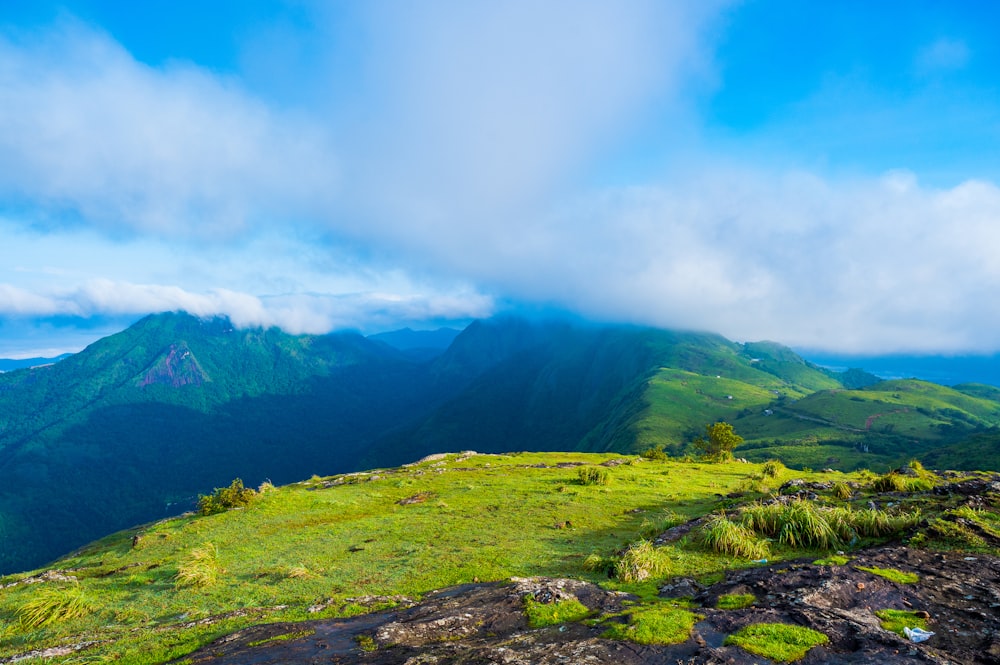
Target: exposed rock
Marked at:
485, 623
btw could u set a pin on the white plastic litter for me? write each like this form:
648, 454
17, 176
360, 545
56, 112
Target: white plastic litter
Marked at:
917, 634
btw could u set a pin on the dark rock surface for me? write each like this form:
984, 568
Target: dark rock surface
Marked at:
485, 623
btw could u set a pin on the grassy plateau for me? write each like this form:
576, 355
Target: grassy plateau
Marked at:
347, 544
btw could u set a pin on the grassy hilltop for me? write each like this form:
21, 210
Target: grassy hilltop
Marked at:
136, 426
346, 544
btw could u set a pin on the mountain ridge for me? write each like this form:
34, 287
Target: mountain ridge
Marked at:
142, 422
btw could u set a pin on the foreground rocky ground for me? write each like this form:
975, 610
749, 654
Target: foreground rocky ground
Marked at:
485, 623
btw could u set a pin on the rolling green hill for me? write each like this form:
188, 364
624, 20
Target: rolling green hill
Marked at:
348, 544
135, 427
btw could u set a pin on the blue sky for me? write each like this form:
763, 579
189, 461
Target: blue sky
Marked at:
820, 174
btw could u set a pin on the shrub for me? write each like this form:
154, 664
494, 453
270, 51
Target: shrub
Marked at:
224, 498
54, 605
656, 453
593, 475
201, 569
724, 536
777, 641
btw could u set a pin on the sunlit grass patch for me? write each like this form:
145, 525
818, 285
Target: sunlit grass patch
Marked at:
735, 601
892, 574
724, 536
897, 620
55, 604
832, 560
655, 624
550, 614
201, 568
778, 641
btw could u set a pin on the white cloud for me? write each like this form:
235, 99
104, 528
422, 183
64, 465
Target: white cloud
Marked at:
852, 265
314, 313
87, 130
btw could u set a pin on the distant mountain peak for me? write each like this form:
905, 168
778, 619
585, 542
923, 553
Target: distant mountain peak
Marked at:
175, 367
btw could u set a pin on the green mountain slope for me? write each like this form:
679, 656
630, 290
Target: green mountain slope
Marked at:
139, 424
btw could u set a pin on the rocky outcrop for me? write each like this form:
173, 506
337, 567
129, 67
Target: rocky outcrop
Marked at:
486, 623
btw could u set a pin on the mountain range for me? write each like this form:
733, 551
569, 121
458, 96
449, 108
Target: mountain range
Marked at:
138, 425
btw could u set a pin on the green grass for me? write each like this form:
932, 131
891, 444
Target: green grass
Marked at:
896, 620
551, 614
318, 543
780, 642
54, 605
832, 560
302, 544
724, 536
654, 624
735, 601
892, 574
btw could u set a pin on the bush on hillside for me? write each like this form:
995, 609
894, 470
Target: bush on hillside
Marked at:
224, 498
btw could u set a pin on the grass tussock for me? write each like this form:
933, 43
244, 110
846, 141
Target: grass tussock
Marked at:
803, 524
641, 561
772, 468
200, 569
724, 536
780, 642
593, 475
51, 605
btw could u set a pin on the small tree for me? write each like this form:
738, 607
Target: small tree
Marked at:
718, 443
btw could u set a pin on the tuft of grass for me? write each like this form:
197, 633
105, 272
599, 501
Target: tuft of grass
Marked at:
200, 569
641, 561
772, 468
551, 614
780, 642
366, 643
892, 574
593, 475
52, 605
722, 535
833, 560
896, 620
300, 572
656, 624
735, 601
842, 491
